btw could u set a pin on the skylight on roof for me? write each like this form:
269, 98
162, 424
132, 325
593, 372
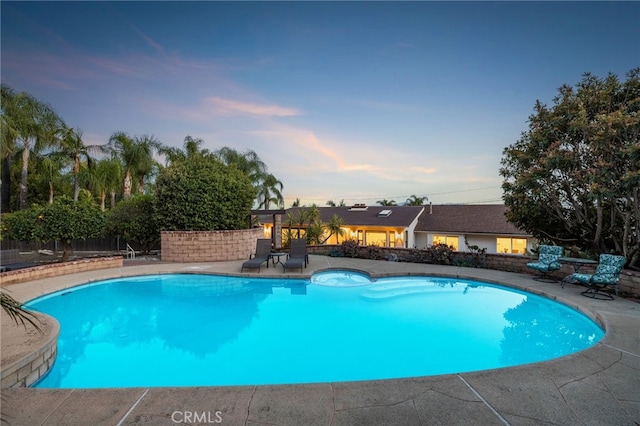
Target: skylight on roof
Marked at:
384, 213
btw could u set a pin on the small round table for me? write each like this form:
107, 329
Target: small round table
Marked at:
275, 258
577, 263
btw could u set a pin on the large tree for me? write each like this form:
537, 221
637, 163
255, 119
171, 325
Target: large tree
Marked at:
203, 194
73, 147
191, 148
136, 154
574, 176
29, 125
269, 191
414, 200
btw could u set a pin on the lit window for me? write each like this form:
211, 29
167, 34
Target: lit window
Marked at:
376, 238
449, 240
512, 245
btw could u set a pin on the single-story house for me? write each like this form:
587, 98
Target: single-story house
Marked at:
460, 226
464, 225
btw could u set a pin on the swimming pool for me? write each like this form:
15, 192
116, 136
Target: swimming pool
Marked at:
204, 330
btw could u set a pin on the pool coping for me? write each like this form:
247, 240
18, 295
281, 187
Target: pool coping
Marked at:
600, 385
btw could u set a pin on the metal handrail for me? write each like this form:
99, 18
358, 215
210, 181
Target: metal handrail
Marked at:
130, 252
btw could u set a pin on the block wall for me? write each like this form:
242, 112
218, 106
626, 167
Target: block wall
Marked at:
209, 246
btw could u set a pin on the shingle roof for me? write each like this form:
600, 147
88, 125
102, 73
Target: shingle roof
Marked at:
401, 216
467, 218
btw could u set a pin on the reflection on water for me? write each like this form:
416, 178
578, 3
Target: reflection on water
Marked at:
196, 314
540, 330
190, 330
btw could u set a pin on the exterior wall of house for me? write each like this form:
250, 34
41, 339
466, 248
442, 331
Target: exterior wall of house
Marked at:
490, 242
368, 235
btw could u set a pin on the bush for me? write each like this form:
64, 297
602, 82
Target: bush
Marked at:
374, 252
134, 220
62, 221
349, 248
440, 254
20, 225
66, 220
203, 194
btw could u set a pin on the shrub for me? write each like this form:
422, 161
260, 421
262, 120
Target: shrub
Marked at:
373, 252
20, 225
440, 254
62, 221
134, 220
203, 194
417, 256
66, 220
349, 248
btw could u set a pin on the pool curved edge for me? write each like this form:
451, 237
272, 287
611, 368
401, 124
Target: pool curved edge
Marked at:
32, 359
603, 376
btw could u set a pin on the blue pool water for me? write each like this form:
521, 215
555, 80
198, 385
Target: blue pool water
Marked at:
197, 330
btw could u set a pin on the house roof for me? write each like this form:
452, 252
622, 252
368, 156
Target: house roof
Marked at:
400, 216
467, 219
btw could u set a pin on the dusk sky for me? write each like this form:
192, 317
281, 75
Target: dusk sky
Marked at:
360, 101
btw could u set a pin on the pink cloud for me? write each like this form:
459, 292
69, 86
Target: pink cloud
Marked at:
230, 106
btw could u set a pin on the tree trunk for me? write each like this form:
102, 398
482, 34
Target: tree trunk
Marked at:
23, 177
126, 193
5, 184
76, 184
103, 197
67, 249
113, 199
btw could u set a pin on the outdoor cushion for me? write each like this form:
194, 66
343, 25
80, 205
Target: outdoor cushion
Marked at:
548, 261
606, 274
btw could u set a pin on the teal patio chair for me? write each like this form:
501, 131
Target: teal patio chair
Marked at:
607, 274
548, 262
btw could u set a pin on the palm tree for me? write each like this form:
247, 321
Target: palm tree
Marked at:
105, 177
17, 313
414, 200
30, 127
49, 168
72, 146
386, 202
296, 203
330, 203
248, 162
191, 148
270, 192
136, 155
335, 228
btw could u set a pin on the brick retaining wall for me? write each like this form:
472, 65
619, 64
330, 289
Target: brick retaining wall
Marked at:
56, 269
209, 246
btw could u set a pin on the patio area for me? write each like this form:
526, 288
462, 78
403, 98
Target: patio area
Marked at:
598, 386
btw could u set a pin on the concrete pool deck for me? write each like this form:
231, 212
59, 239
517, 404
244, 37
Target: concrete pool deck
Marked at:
597, 386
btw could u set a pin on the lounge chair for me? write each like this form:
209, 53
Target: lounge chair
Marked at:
548, 262
297, 255
262, 255
607, 274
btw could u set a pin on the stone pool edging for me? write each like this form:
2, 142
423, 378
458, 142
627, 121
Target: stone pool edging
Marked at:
597, 385
28, 369
35, 365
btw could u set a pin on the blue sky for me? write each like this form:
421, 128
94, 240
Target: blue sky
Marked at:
343, 100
